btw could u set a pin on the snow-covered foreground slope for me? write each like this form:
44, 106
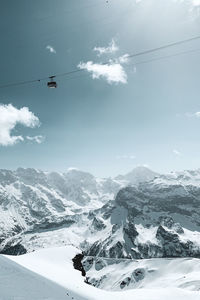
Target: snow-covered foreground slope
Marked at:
19, 283
49, 274
123, 274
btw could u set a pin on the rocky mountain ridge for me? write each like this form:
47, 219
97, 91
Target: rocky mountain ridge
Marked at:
104, 217
153, 219
32, 200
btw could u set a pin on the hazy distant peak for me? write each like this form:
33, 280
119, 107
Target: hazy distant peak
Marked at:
72, 169
77, 173
138, 174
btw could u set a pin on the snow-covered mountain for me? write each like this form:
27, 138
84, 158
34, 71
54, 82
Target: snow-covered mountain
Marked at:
159, 218
156, 217
112, 221
35, 201
138, 175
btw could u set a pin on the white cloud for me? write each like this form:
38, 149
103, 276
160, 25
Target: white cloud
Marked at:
188, 2
37, 138
190, 115
10, 116
193, 7
51, 49
123, 59
197, 114
176, 152
107, 50
113, 72
144, 165
72, 169
196, 3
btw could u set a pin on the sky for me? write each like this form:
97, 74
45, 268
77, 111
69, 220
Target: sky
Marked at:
106, 119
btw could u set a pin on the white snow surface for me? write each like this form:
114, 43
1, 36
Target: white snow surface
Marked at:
48, 274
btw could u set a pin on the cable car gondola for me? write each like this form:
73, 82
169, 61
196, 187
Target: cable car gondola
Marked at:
52, 84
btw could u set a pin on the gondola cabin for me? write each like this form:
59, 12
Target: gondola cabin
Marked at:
52, 84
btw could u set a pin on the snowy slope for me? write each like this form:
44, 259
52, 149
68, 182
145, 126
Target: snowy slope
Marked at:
54, 273
152, 273
33, 201
19, 283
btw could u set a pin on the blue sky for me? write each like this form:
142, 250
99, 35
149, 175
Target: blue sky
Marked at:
134, 114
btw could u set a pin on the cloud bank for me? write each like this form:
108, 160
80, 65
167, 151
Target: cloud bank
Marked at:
10, 116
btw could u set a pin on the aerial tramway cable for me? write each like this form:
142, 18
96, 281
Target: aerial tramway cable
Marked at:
108, 63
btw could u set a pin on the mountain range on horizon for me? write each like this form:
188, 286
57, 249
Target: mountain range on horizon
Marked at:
37, 206
139, 215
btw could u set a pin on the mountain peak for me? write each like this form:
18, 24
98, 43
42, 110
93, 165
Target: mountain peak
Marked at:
138, 174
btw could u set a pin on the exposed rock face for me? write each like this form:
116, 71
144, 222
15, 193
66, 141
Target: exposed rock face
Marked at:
17, 249
88, 263
77, 262
98, 224
173, 247
138, 274
99, 264
130, 232
170, 224
125, 282
153, 219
